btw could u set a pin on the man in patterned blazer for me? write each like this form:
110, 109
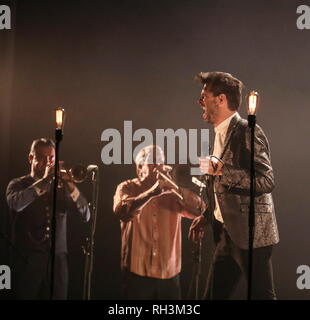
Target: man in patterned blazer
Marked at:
228, 174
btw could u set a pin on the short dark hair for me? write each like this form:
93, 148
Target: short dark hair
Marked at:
41, 142
222, 82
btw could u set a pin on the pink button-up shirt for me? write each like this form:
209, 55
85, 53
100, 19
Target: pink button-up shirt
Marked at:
151, 234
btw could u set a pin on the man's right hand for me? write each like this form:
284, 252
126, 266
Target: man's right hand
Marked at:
48, 174
44, 184
197, 229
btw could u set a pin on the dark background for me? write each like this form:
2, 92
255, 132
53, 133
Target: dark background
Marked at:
110, 61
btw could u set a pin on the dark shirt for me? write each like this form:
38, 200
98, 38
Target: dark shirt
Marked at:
32, 215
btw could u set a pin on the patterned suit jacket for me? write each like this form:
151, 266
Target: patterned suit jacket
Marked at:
233, 187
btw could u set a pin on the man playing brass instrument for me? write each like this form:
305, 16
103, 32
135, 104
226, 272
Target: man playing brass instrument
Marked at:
150, 208
30, 200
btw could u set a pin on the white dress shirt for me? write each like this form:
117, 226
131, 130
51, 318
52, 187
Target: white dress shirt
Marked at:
220, 135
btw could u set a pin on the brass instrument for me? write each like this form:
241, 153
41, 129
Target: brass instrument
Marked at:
79, 172
174, 186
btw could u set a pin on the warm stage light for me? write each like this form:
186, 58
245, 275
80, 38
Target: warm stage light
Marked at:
252, 102
60, 118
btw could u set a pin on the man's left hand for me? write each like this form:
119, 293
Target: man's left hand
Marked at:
211, 166
67, 181
197, 229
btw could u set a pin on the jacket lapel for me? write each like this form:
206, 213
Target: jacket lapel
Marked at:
231, 129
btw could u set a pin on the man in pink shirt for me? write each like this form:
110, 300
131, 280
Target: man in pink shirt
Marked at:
150, 209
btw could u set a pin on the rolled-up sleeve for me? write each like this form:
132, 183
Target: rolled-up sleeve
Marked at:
192, 204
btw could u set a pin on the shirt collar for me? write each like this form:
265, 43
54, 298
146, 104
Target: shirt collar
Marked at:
223, 126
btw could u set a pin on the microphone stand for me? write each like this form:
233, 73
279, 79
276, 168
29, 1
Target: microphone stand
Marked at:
58, 138
88, 249
197, 258
196, 252
251, 124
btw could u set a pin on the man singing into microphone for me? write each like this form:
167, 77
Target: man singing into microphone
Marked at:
150, 209
30, 199
229, 185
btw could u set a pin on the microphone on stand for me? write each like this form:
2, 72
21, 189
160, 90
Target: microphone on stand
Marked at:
92, 167
201, 183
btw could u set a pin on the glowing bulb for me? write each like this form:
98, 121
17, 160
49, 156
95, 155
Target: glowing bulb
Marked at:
60, 118
252, 102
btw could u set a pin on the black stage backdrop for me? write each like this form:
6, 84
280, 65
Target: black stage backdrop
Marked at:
110, 61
